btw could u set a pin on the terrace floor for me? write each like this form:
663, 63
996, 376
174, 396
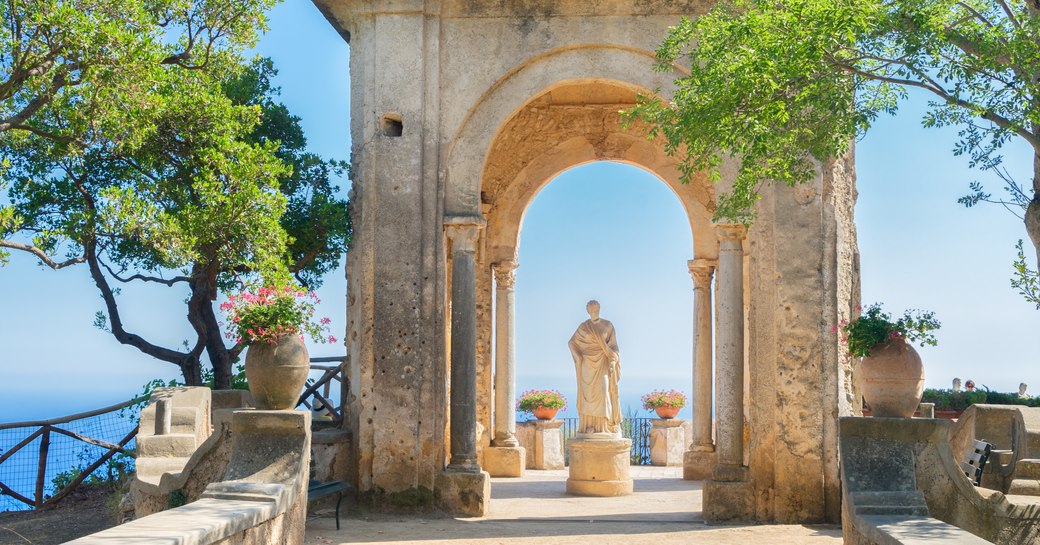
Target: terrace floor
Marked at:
535, 510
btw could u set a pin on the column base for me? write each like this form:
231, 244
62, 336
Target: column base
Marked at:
698, 463
600, 467
505, 461
728, 500
464, 492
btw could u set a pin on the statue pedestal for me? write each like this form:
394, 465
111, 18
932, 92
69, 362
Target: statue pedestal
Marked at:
599, 467
667, 442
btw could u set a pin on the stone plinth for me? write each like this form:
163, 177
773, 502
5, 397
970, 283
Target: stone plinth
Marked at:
543, 441
464, 492
599, 467
728, 494
505, 461
698, 463
667, 442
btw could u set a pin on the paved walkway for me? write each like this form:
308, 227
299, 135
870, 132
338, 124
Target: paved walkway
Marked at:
664, 509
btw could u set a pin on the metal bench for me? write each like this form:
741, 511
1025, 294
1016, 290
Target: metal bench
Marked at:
317, 490
975, 461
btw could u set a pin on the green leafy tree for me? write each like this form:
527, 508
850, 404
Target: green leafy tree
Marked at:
783, 84
172, 165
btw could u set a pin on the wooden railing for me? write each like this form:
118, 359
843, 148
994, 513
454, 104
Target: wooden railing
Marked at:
320, 390
44, 430
317, 391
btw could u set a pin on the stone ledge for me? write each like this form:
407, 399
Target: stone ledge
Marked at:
265, 494
912, 530
201, 522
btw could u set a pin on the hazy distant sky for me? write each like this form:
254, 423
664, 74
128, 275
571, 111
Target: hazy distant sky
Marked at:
604, 231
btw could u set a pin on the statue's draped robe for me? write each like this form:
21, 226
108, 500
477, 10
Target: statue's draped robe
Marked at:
597, 365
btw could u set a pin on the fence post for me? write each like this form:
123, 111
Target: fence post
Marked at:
41, 471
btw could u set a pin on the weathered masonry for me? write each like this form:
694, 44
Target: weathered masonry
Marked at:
462, 110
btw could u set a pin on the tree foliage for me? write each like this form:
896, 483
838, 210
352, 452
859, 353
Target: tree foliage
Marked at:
139, 142
783, 84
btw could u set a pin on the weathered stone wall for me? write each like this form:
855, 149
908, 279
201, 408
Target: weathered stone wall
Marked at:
801, 282
395, 267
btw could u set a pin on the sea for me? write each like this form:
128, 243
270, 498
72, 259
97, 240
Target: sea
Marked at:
66, 456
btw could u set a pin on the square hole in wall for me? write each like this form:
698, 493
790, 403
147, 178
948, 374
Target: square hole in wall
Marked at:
391, 125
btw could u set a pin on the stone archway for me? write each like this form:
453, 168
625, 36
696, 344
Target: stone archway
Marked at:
572, 123
436, 86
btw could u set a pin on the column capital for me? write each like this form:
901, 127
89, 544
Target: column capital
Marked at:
463, 231
701, 270
730, 231
505, 273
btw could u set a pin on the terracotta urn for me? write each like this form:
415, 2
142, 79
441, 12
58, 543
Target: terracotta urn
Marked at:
277, 372
667, 413
545, 413
892, 378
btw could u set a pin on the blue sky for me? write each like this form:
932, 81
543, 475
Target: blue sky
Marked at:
604, 231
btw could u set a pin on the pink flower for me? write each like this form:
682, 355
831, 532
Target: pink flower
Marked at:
325, 321
332, 339
834, 329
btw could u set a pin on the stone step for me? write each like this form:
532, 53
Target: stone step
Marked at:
1027, 468
183, 420
1033, 443
908, 503
151, 469
1025, 487
907, 510
169, 445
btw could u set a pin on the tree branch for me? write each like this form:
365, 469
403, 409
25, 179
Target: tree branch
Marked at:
41, 255
931, 86
116, 322
1010, 13
143, 278
969, 47
34, 105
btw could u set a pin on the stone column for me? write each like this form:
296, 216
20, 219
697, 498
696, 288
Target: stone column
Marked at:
463, 487
505, 355
727, 495
463, 233
729, 376
505, 458
700, 457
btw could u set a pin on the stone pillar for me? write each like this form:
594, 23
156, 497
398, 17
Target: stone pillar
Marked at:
505, 458
462, 487
463, 236
699, 459
667, 442
505, 355
727, 495
543, 442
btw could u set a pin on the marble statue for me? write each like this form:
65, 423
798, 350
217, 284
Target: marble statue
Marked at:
956, 384
597, 364
1022, 387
